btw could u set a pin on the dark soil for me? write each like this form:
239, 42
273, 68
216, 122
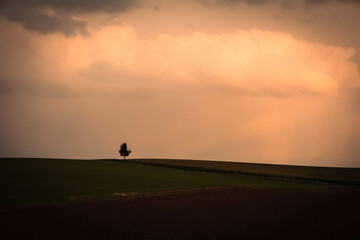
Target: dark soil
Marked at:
221, 214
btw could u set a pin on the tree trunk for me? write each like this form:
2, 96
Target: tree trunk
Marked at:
124, 157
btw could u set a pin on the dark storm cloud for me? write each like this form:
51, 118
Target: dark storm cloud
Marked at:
311, 3
38, 20
326, 1
49, 16
77, 6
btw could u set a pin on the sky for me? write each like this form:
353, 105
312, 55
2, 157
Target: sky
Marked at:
269, 81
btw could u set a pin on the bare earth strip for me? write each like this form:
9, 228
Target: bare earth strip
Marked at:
232, 213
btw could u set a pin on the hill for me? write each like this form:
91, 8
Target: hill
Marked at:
28, 181
336, 175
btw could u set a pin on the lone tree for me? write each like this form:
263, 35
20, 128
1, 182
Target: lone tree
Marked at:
124, 151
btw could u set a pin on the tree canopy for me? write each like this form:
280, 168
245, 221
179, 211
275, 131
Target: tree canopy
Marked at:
124, 152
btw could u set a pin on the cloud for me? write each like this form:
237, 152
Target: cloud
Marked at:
320, 2
254, 62
57, 15
284, 3
254, 2
39, 20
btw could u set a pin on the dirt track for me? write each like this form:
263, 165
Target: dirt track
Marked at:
221, 214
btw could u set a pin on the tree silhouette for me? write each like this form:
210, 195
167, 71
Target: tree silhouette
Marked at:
124, 151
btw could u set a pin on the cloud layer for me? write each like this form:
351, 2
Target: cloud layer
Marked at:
251, 62
52, 16
283, 2
69, 17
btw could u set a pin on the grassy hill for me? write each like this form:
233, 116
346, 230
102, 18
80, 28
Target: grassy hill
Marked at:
336, 175
25, 181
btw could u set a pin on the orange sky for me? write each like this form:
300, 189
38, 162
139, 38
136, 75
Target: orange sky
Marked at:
256, 81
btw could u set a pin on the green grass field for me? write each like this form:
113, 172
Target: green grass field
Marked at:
37, 181
347, 176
